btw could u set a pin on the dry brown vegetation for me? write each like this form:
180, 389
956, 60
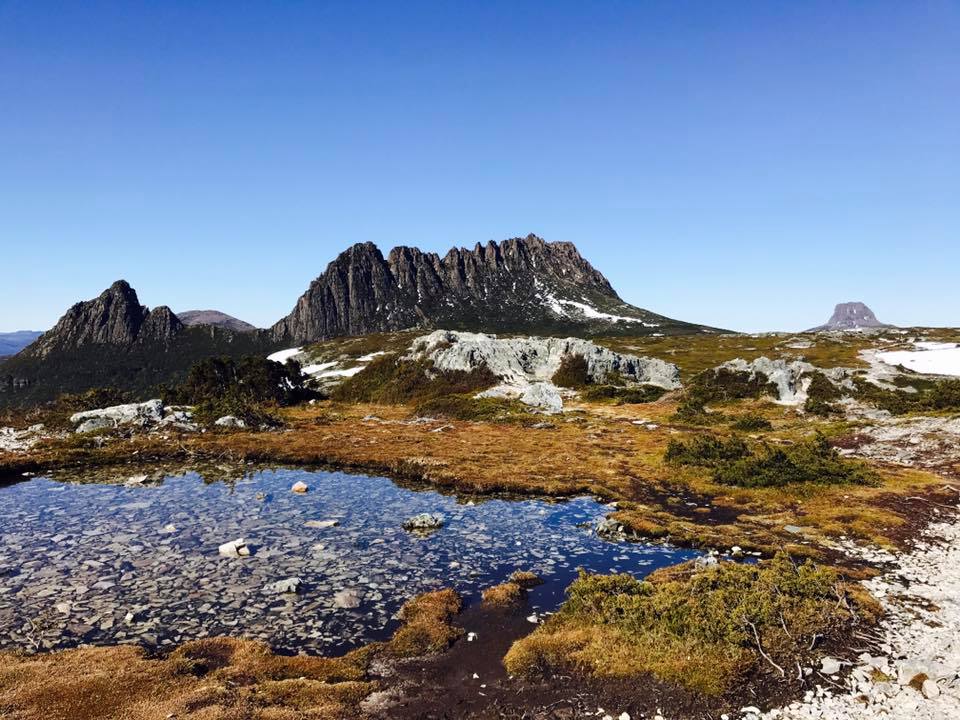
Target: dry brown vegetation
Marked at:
598, 451
222, 678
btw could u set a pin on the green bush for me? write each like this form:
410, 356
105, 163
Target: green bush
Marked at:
812, 461
820, 395
633, 394
392, 380
751, 423
573, 372
705, 450
467, 407
941, 395
705, 629
246, 388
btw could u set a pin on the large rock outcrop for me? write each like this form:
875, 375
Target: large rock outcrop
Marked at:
518, 285
525, 360
115, 317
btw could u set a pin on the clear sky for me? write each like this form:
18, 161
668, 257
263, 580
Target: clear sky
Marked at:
742, 164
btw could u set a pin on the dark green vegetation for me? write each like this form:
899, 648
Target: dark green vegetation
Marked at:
820, 395
246, 388
719, 385
573, 372
467, 407
139, 369
624, 395
391, 380
810, 461
704, 628
942, 395
751, 423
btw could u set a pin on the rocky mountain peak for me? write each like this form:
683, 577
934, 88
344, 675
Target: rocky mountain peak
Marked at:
851, 316
519, 284
115, 317
214, 318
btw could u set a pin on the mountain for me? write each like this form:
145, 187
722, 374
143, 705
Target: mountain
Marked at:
114, 341
13, 342
215, 318
850, 316
520, 285
523, 285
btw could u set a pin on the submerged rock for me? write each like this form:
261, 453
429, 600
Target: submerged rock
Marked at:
299, 487
424, 522
286, 586
347, 599
234, 548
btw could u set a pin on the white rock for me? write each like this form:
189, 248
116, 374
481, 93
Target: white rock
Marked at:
830, 666
229, 421
289, 585
135, 414
234, 548
321, 524
299, 487
347, 598
930, 689
532, 359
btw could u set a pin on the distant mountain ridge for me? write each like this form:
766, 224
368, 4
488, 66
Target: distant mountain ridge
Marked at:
522, 285
13, 342
850, 316
215, 318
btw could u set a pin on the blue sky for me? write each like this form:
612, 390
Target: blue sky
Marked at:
741, 164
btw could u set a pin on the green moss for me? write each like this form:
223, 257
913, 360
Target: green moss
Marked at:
702, 628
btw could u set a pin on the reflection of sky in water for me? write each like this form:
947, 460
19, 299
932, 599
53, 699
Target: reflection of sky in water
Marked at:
76, 558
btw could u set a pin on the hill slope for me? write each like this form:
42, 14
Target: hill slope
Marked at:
215, 318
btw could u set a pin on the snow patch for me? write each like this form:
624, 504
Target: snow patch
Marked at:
281, 356
932, 359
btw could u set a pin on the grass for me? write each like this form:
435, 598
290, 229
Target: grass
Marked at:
705, 629
467, 407
215, 678
426, 624
506, 596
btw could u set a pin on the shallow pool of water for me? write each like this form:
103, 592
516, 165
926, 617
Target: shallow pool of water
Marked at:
99, 563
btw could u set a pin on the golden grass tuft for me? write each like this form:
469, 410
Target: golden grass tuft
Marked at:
506, 596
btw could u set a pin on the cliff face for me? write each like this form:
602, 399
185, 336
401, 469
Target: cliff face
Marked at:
522, 284
116, 317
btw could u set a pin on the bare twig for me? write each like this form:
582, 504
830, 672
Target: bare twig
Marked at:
766, 657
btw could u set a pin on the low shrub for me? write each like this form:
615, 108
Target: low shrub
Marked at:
942, 395
573, 372
467, 407
702, 628
392, 380
506, 596
623, 395
751, 423
705, 450
811, 461
820, 395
